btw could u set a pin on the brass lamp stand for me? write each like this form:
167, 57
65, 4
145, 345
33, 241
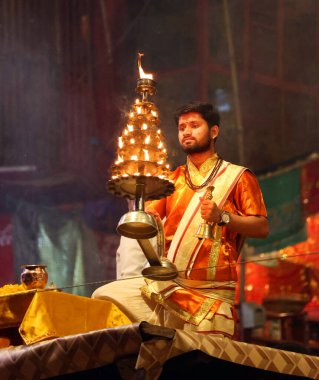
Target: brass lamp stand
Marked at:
140, 173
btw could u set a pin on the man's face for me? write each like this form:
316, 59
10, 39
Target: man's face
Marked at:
194, 134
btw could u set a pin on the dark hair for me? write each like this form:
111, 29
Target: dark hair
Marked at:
206, 110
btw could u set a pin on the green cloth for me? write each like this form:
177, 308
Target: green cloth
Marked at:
282, 195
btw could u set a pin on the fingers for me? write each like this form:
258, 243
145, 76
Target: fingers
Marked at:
207, 209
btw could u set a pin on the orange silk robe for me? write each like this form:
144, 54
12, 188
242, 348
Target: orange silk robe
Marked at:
245, 199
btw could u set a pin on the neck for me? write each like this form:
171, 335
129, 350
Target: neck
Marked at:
199, 158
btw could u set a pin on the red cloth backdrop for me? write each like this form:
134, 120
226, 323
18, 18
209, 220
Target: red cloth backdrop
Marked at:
298, 273
6, 252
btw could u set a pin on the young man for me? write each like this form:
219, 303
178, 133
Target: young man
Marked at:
202, 297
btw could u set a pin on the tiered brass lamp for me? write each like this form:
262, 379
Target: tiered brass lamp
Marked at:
141, 171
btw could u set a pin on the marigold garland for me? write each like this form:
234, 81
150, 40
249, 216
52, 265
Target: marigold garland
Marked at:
11, 288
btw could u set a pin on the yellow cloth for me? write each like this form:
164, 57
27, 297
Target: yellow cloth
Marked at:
54, 314
13, 307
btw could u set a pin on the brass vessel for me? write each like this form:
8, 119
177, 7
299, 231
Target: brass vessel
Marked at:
34, 276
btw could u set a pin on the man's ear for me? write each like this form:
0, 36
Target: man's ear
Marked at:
214, 131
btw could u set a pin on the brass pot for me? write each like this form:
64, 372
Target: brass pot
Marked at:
34, 276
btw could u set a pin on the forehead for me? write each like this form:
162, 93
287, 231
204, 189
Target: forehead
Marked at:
190, 117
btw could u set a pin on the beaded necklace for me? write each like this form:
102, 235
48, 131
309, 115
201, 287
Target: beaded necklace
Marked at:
208, 180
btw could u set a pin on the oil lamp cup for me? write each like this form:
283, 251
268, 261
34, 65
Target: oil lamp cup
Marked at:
163, 272
146, 86
34, 276
138, 224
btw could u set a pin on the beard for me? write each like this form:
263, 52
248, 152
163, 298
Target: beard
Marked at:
198, 148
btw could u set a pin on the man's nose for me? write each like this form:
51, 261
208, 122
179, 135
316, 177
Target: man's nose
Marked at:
187, 130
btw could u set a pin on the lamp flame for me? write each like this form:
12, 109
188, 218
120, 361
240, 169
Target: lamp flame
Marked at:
141, 71
146, 155
119, 159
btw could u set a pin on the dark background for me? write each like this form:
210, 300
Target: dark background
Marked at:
68, 73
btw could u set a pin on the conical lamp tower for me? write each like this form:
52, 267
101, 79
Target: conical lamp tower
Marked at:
140, 172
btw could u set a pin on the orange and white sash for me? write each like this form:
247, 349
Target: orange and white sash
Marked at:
185, 245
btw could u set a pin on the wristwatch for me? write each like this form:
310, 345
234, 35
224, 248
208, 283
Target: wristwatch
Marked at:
224, 218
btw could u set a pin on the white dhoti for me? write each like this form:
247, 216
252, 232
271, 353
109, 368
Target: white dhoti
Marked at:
127, 296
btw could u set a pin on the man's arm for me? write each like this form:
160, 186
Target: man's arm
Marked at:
250, 217
249, 226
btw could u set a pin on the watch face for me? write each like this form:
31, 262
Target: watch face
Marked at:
225, 218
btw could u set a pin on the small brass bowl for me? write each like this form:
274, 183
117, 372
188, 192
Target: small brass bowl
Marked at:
34, 276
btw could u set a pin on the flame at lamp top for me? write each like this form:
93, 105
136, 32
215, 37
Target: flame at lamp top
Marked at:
145, 84
143, 75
